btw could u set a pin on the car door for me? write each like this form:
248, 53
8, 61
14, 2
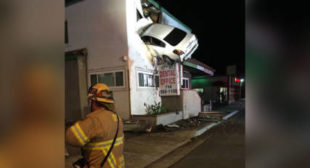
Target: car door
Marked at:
156, 46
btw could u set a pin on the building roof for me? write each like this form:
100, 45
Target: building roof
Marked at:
195, 61
154, 3
195, 64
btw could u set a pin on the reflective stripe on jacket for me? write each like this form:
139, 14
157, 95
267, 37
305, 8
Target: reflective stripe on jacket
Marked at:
95, 134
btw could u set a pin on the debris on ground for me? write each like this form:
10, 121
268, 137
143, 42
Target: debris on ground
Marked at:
189, 123
210, 116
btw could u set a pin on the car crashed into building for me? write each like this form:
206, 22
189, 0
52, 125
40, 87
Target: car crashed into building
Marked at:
169, 43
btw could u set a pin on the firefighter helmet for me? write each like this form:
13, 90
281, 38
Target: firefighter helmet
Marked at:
101, 93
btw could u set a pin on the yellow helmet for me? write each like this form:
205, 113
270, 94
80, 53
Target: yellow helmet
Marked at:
101, 93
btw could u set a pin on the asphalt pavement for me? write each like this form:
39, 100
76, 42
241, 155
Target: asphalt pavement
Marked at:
224, 149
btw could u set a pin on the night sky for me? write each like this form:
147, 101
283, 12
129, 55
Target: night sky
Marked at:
219, 27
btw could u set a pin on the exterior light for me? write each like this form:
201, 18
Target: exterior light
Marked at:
241, 80
178, 52
237, 80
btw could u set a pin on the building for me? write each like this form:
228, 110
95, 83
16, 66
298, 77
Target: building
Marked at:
220, 89
102, 45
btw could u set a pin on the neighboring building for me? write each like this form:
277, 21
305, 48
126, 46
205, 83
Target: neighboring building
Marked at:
219, 89
115, 55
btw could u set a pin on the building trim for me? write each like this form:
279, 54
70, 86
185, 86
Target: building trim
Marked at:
198, 67
169, 14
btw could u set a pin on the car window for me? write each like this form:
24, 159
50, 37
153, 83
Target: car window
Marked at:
175, 36
153, 41
157, 42
146, 39
139, 16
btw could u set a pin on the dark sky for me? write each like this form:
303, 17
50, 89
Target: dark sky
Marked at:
219, 26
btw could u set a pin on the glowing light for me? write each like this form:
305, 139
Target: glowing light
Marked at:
237, 80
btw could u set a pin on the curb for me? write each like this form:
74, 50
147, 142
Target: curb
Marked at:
207, 127
162, 156
196, 134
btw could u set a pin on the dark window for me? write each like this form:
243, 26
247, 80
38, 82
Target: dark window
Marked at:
139, 16
185, 83
175, 36
93, 79
153, 41
106, 78
111, 79
119, 78
141, 79
146, 80
146, 39
157, 42
157, 81
66, 32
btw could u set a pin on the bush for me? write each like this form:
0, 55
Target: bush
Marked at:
156, 108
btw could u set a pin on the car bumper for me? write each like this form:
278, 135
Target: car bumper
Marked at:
189, 54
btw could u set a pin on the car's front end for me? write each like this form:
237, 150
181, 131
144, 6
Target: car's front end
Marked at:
190, 48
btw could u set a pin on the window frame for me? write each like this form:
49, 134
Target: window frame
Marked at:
147, 73
162, 45
114, 73
185, 79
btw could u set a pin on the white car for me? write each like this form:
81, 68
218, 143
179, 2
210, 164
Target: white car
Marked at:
169, 43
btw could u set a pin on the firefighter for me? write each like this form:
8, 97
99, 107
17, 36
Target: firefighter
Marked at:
101, 130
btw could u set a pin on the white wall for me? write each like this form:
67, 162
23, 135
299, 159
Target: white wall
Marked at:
191, 103
100, 26
140, 60
168, 118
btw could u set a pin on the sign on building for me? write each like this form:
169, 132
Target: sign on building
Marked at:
169, 82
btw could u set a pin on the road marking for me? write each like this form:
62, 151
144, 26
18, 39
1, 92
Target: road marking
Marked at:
230, 115
207, 127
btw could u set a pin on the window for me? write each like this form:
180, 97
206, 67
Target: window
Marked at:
139, 16
111, 79
147, 80
153, 41
175, 36
106, 78
93, 79
185, 83
119, 80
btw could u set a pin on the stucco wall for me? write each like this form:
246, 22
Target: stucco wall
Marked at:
191, 103
168, 118
173, 103
100, 26
139, 61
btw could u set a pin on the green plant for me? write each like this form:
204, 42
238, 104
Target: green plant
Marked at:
156, 108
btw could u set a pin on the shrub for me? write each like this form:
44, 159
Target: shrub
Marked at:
156, 108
